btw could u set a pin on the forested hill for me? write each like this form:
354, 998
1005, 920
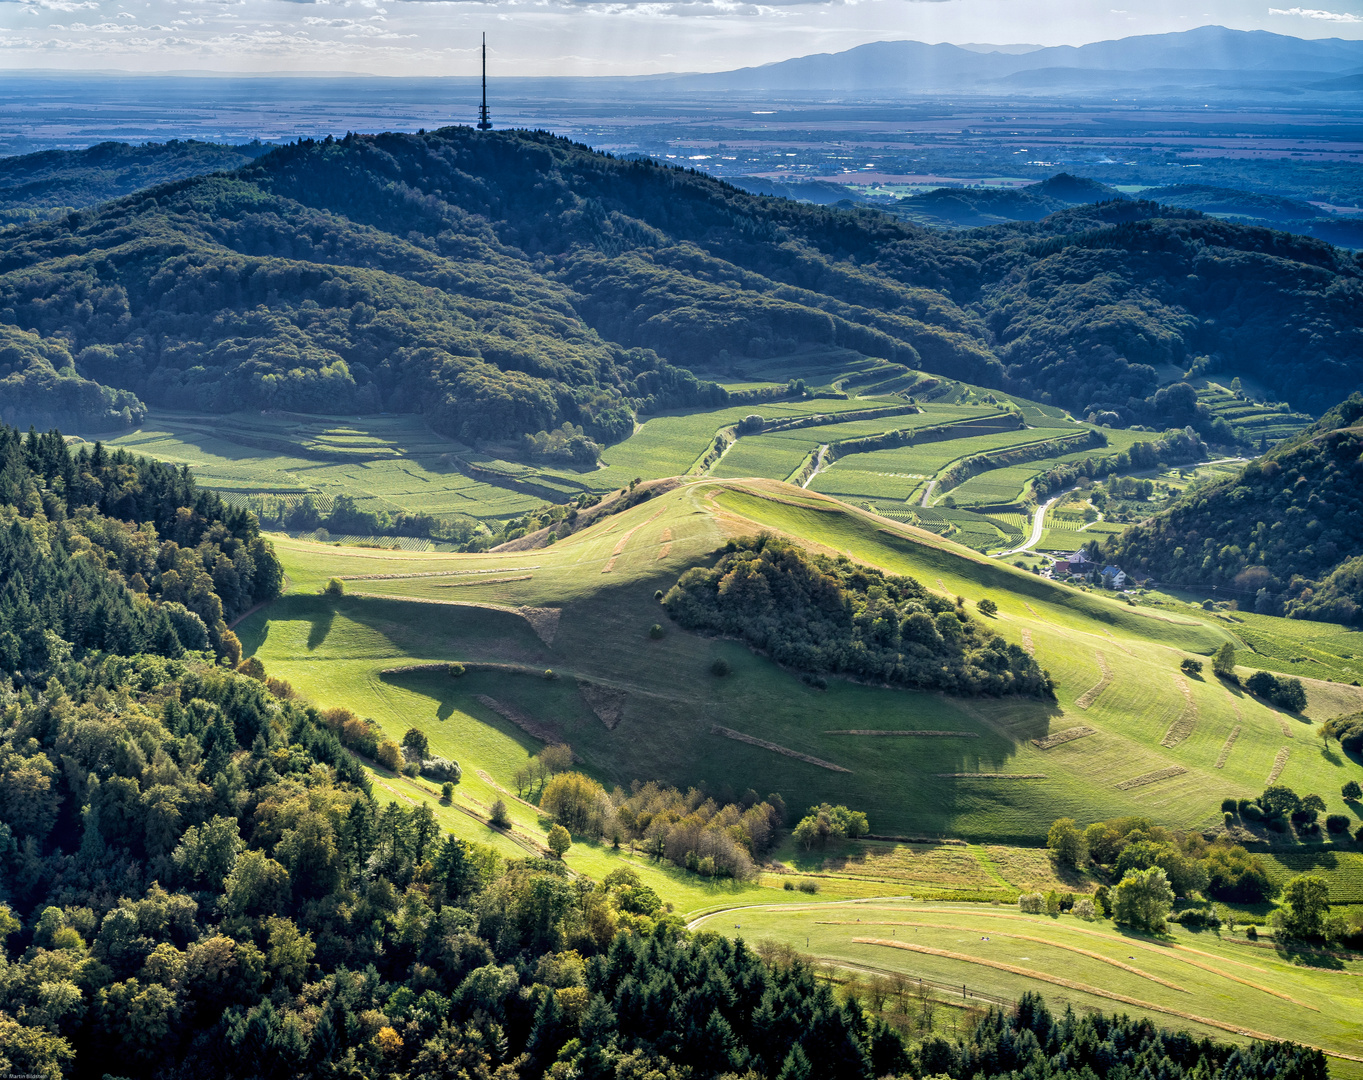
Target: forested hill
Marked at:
1285, 536
510, 282
42, 185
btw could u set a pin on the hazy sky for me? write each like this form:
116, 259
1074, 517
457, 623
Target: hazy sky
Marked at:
548, 37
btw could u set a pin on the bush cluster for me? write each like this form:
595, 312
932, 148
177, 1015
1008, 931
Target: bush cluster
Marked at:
822, 615
689, 829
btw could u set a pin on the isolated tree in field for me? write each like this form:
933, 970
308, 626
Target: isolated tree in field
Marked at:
498, 815
416, 743
987, 607
1307, 897
1191, 666
1066, 841
1142, 899
1223, 661
559, 840
335, 587
1290, 694
1352, 791
1032, 903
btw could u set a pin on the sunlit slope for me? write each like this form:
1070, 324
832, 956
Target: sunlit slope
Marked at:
1150, 740
1227, 989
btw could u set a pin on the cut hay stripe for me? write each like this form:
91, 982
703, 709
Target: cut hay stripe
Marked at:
908, 734
1187, 720
992, 775
1152, 777
481, 581
1226, 749
1089, 696
1060, 738
1028, 973
1279, 764
776, 748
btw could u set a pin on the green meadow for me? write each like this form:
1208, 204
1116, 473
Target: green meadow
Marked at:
1155, 745
1216, 985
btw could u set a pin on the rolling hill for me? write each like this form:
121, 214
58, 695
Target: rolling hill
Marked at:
508, 283
1127, 732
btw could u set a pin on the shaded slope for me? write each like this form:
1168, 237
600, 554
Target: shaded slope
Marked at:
1285, 536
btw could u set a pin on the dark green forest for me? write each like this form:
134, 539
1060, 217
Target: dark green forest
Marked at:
108, 552
831, 616
508, 283
1282, 538
51, 183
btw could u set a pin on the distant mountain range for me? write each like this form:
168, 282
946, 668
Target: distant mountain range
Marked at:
1210, 57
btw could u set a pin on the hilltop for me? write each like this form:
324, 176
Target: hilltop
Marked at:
505, 284
1127, 732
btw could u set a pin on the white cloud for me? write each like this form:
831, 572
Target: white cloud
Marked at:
57, 5
1316, 13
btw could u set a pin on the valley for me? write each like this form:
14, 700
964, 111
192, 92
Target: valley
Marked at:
477, 592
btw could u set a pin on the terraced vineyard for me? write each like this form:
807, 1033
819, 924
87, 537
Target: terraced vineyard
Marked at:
1251, 421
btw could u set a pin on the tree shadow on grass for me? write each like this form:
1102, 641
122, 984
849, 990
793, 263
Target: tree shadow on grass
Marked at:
448, 695
1307, 955
319, 626
253, 633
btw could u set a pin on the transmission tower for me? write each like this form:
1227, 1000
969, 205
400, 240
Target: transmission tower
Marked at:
484, 124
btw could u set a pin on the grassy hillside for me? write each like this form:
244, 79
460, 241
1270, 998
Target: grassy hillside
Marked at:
1216, 986
1116, 668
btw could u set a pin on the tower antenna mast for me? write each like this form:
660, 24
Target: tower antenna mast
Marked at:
484, 124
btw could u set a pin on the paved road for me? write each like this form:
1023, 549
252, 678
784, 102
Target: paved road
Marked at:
1038, 525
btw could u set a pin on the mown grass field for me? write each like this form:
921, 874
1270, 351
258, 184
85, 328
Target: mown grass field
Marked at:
1216, 985
602, 581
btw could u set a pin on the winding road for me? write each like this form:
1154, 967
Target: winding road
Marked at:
1038, 525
